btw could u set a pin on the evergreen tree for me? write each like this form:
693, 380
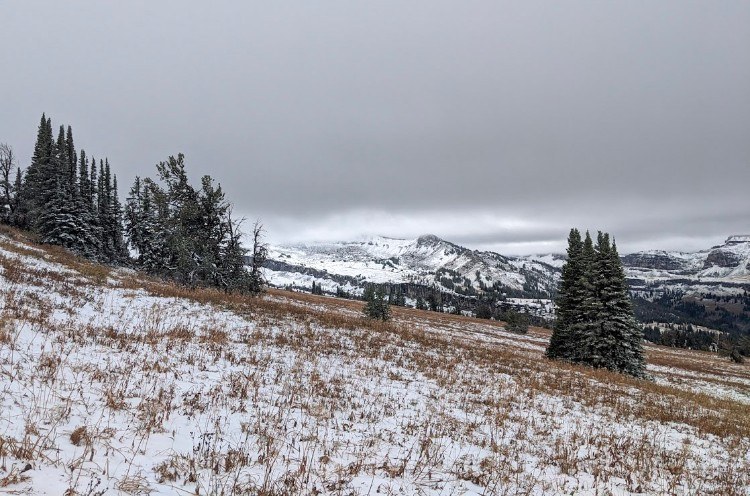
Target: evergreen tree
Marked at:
62, 221
456, 310
483, 310
259, 256
618, 321
104, 204
595, 323
34, 196
586, 306
516, 322
18, 218
368, 293
340, 293
570, 296
81, 187
600, 344
188, 234
118, 242
234, 275
70, 154
399, 298
135, 220
376, 303
93, 189
144, 225
59, 201
434, 301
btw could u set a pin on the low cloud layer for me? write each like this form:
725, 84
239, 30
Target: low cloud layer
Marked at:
498, 125
694, 228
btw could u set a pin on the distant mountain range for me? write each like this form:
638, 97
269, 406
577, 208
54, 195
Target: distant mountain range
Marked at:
432, 261
708, 287
728, 263
426, 260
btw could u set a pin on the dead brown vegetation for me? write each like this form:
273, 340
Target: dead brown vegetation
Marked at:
505, 386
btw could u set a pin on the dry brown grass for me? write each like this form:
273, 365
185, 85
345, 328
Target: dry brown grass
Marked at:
655, 402
79, 436
503, 384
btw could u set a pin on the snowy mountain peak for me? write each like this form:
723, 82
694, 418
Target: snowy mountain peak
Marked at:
428, 239
427, 260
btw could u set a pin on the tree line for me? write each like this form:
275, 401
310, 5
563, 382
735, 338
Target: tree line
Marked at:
64, 197
176, 230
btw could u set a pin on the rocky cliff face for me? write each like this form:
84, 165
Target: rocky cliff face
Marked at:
654, 260
722, 258
728, 263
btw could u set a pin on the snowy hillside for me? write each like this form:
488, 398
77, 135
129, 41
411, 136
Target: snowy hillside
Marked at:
721, 270
729, 262
427, 260
115, 384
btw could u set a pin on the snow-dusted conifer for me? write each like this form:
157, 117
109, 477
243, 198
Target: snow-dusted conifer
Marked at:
586, 308
569, 299
620, 322
376, 303
32, 198
189, 235
118, 242
595, 323
18, 218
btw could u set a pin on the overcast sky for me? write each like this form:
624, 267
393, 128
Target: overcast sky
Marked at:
497, 125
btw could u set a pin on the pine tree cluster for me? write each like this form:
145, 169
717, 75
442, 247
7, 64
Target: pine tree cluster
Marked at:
595, 323
179, 232
66, 199
187, 234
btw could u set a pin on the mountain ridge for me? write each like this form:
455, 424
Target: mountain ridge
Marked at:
435, 262
427, 260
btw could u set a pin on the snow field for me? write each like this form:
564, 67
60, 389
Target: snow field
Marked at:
110, 384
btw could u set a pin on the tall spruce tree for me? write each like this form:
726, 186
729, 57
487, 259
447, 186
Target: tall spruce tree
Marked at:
61, 220
118, 243
52, 219
619, 321
84, 184
18, 218
570, 297
71, 157
33, 196
134, 220
595, 323
599, 343
587, 306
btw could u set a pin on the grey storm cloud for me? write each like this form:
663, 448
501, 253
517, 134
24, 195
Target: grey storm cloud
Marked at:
495, 124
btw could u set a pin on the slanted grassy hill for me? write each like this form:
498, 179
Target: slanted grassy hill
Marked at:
115, 383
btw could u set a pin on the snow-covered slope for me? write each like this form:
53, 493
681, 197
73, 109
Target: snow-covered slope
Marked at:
427, 260
728, 263
111, 383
